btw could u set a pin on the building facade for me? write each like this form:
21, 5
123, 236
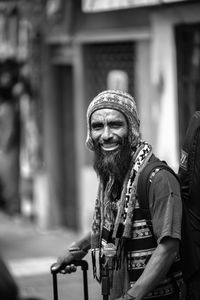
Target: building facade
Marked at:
151, 50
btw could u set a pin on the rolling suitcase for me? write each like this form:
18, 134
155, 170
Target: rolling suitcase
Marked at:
79, 263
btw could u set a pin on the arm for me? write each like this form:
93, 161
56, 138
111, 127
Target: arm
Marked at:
166, 211
157, 267
75, 252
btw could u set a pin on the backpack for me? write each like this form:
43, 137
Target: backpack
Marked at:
189, 178
153, 166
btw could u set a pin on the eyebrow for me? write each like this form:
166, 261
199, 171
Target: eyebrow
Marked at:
96, 123
117, 122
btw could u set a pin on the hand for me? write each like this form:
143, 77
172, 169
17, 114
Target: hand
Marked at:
69, 269
126, 297
64, 263
63, 269
129, 297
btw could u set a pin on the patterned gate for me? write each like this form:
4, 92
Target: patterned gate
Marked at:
100, 59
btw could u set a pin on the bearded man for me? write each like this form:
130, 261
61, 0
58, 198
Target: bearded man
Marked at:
146, 264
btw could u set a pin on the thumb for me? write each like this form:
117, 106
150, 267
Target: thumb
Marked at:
62, 262
56, 267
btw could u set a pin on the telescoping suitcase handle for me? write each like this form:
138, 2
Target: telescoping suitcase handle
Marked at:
79, 263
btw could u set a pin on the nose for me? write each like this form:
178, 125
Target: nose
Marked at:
107, 133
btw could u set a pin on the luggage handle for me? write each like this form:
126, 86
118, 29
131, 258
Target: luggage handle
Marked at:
84, 266
78, 263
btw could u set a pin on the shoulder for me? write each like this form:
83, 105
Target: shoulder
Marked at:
164, 182
165, 174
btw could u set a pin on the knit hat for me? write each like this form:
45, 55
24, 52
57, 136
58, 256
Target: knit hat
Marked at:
120, 101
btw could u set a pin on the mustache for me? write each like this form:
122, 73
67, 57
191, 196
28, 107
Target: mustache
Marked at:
120, 141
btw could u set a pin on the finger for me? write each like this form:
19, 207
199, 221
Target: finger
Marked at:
56, 267
69, 269
129, 297
73, 268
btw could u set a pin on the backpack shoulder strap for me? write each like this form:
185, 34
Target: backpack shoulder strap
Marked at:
153, 166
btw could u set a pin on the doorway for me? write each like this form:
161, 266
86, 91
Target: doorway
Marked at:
66, 154
188, 66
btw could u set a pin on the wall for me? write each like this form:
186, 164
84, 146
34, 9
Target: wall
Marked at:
164, 77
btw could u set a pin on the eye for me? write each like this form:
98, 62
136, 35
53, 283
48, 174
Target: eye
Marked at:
116, 124
96, 126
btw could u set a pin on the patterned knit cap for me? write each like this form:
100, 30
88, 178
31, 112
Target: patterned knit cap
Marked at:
122, 102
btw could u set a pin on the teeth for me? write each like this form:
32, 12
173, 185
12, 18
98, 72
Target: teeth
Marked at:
109, 147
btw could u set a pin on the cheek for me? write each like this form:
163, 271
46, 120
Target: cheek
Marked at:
95, 135
123, 133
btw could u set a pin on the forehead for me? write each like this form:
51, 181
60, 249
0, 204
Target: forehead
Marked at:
107, 114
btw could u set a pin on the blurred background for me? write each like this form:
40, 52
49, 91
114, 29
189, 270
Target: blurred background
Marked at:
55, 56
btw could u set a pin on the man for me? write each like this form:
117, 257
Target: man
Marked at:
146, 258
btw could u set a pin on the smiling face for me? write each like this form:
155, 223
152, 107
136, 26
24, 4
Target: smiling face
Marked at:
112, 149
109, 128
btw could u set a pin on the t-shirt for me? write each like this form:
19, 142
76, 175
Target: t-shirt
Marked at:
165, 205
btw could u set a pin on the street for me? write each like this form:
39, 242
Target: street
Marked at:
29, 253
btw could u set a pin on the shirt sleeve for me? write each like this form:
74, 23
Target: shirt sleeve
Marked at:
165, 205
